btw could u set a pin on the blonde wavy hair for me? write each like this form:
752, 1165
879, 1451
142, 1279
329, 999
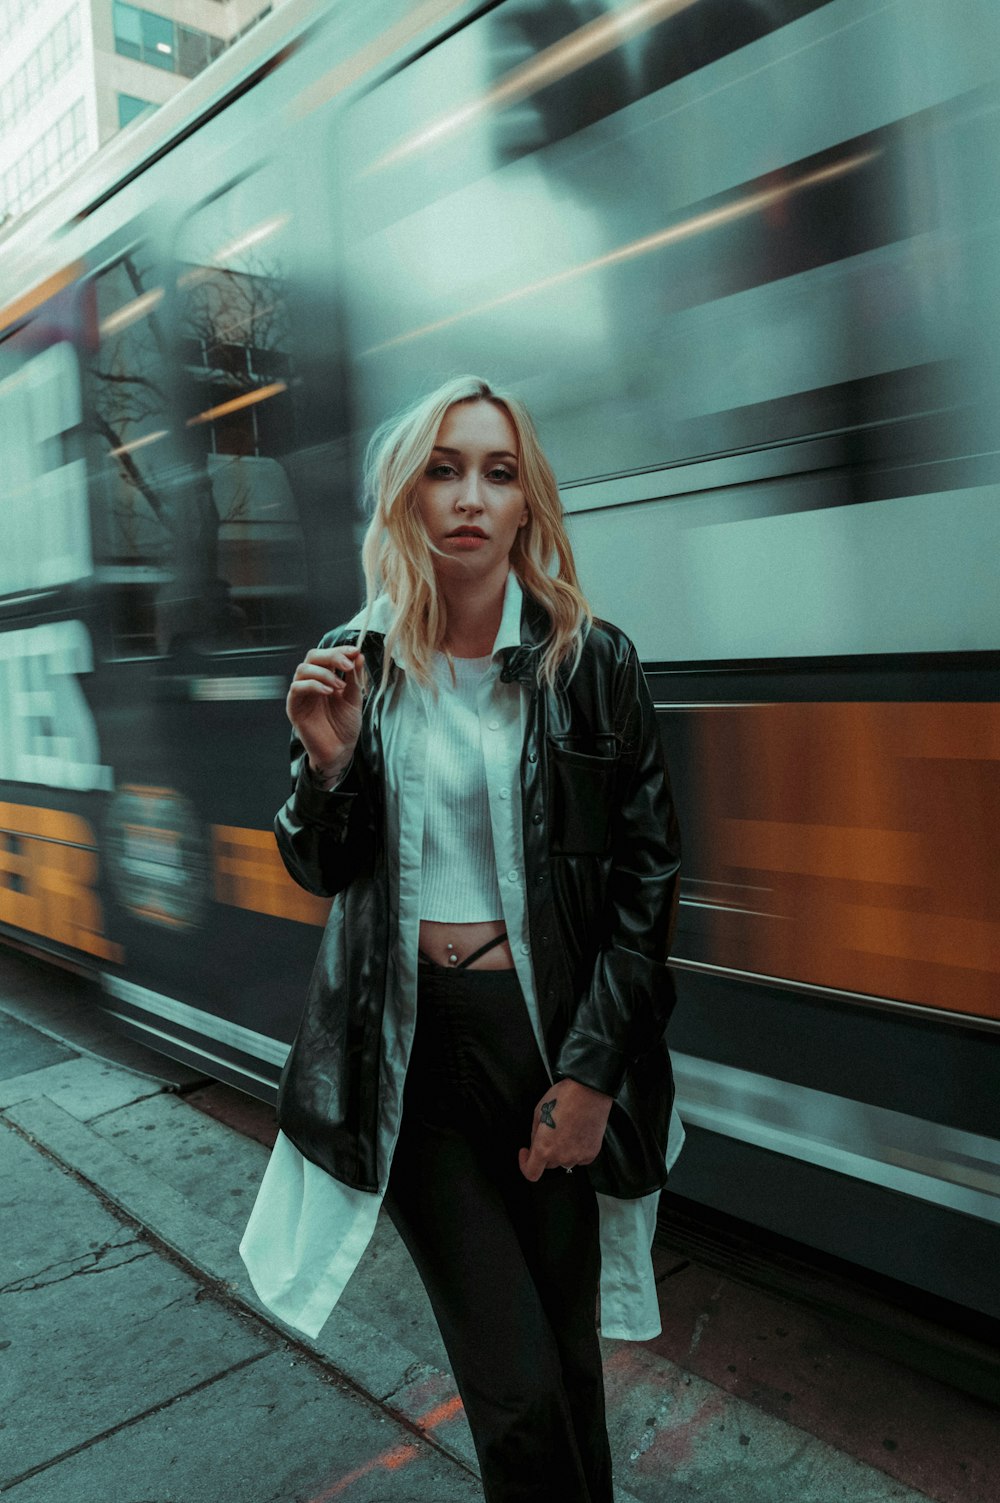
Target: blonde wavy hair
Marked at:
398, 557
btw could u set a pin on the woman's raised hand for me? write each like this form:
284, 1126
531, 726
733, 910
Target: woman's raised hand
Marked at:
324, 705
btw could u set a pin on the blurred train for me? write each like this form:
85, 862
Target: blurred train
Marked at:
742, 258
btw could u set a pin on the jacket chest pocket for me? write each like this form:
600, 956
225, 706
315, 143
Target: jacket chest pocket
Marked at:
582, 785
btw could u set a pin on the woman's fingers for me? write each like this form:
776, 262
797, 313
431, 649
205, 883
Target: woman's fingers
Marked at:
530, 1165
324, 701
567, 1129
331, 670
332, 666
302, 686
344, 658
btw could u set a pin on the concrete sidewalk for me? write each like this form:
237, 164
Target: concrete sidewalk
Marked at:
138, 1363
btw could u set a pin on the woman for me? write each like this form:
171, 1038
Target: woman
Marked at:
479, 782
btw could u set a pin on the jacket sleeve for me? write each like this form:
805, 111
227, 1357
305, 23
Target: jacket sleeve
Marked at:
628, 1001
326, 838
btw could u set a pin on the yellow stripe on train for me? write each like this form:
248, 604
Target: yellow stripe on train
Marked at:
48, 875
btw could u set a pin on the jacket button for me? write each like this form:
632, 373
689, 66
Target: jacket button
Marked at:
532, 757
536, 819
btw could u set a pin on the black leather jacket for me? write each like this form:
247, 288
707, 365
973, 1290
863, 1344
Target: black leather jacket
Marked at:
601, 853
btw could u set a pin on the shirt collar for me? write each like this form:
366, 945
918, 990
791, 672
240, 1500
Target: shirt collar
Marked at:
508, 635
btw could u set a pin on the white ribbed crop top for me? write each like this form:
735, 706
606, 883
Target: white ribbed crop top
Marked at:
458, 871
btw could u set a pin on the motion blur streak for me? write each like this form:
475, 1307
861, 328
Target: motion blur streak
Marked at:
225, 254
131, 312
260, 232
247, 400
138, 443
753, 203
29, 301
586, 45
898, 897
418, 19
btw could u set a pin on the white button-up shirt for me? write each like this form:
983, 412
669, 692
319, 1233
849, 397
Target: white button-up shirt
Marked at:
307, 1231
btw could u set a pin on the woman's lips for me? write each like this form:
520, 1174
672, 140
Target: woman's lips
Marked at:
466, 538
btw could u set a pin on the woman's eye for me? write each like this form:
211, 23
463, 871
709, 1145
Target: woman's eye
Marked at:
499, 474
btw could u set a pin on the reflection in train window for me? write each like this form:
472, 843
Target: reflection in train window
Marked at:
238, 380
133, 481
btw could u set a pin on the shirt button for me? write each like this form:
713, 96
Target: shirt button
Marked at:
494, 725
525, 949
505, 793
512, 876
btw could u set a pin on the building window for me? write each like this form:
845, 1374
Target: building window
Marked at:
47, 162
51, 59
161, 42
129, 106
128, 31
192, 51
251, 24
13, 13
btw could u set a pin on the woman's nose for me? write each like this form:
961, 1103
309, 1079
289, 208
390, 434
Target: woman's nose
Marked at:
469, 497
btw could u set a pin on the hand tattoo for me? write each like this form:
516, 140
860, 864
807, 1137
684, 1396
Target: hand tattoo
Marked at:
545, 1111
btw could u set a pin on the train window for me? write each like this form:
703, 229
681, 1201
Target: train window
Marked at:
46, 536
136, 487
238, 400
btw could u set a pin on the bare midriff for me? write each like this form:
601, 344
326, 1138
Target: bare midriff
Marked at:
464, 940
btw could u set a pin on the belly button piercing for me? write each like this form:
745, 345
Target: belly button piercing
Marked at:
452, 956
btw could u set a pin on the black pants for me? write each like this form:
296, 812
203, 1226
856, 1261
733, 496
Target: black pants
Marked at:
511, 1268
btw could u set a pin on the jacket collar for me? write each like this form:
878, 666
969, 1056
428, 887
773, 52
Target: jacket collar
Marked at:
521, 662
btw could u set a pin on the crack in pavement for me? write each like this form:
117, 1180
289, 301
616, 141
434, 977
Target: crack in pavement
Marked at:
417, 1370
92, 1262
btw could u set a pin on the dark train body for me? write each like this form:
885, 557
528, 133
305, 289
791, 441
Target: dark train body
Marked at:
741, 259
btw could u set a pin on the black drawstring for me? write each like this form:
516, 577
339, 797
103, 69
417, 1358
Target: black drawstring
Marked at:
460, 965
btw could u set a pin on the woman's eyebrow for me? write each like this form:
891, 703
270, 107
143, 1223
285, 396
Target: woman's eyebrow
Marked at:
491, 454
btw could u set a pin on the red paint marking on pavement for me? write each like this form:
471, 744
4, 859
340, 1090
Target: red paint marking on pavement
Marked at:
399, 1456
441, 1413
427, 1392
390, 1461
675, 1444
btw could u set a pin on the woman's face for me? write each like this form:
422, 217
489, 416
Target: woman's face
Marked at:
469, 497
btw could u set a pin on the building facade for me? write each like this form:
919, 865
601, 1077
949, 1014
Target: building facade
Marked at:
73, 72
